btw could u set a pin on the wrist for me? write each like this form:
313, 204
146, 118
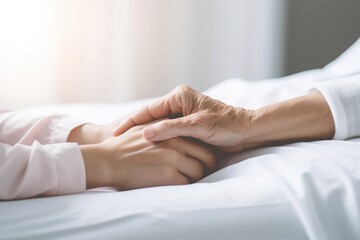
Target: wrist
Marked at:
246, 130
97, 167
261, 127
87, 134
303, 118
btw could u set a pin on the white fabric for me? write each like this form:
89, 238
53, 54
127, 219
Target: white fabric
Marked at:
343, 97
298, 191
347, 64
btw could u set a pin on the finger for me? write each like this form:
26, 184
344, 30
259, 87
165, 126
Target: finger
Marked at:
190, 168
157, 176
170, 175
203, 154
171, 128
173, 103
181, 179
124, 125
146, 114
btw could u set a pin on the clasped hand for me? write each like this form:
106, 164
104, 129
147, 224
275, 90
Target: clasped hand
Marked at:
129, 161
204, 118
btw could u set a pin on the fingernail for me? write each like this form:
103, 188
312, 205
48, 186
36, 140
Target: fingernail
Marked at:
149, 132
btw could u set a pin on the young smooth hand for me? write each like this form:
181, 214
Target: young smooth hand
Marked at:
90, 133
129, 161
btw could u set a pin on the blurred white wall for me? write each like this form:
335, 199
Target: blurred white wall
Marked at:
56, 51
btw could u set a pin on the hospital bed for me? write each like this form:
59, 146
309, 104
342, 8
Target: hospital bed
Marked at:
299, 191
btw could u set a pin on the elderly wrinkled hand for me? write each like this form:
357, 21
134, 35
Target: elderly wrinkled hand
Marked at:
231, 129
201, 117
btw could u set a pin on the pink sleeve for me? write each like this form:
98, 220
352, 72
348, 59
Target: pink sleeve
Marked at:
25, 128
29, 168
47, 170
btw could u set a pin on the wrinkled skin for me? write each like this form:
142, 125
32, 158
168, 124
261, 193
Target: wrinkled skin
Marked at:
201, 117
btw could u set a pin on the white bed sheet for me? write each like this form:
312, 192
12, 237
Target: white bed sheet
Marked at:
298, 191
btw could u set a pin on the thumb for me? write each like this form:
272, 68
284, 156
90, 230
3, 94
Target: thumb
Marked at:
171, 128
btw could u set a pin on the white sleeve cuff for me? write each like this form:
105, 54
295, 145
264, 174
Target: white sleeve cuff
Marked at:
343, 97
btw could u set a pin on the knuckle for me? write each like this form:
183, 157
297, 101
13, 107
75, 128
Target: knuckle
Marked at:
186, 93
183, 88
